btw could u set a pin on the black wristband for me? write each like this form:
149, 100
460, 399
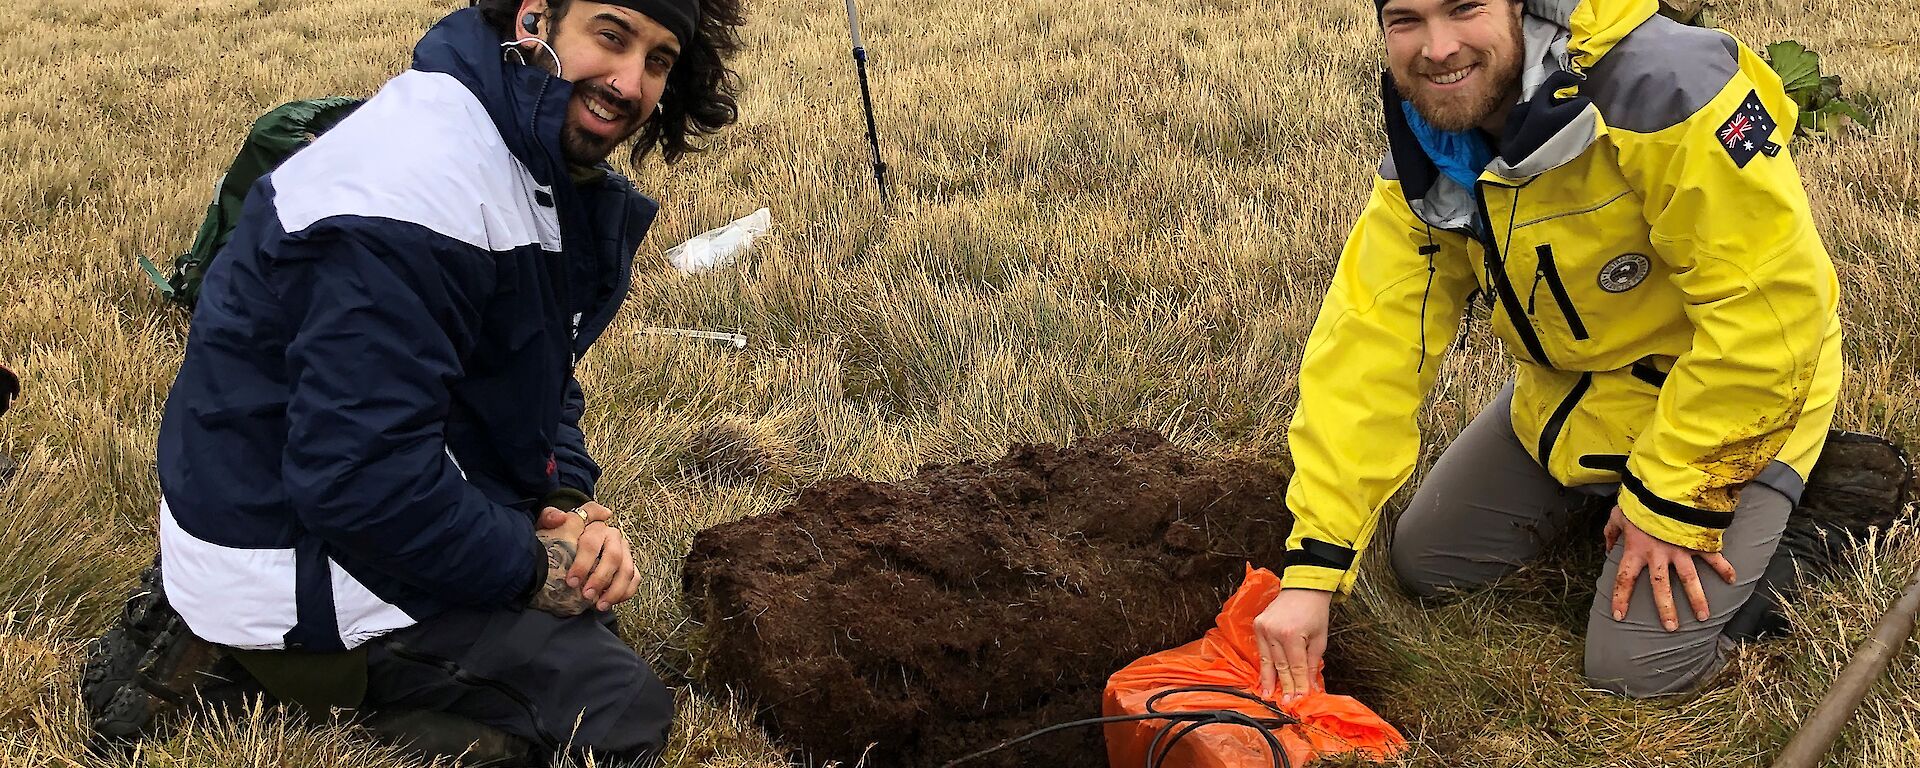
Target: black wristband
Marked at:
566, 499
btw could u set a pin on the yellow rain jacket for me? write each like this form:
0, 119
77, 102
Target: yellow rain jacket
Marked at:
1650, 262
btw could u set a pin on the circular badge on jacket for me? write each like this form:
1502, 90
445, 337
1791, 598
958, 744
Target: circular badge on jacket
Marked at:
1626, 272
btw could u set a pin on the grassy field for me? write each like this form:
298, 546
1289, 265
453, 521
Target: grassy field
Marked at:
1105, 216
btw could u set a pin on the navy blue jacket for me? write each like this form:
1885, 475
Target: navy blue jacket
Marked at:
378, 386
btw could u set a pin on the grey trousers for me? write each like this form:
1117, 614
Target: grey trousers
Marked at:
1488, 508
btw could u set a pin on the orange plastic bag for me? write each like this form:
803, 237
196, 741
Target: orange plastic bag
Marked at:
1228, 658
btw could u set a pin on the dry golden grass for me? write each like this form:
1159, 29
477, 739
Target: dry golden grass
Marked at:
1105, 215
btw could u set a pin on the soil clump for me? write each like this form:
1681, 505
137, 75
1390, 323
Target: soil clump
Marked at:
976, 602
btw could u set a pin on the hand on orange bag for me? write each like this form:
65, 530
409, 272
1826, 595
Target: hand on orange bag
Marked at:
1292, 636
1245, 651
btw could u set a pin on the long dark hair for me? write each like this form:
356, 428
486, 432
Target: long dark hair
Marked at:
698, 101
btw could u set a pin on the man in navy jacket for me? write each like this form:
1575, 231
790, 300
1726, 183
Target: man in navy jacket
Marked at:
375, 491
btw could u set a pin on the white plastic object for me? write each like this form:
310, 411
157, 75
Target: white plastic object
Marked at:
738, 341
719, 247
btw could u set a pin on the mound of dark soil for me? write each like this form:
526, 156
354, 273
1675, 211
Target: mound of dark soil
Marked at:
976, 602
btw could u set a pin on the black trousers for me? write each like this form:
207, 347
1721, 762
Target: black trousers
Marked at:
565, 685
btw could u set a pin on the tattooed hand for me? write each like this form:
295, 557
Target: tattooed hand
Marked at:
555, 596
603, 569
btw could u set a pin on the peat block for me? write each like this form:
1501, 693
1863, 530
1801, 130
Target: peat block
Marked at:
975, 602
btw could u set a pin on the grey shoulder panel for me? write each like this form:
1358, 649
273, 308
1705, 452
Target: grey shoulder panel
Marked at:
1389, 170
1661, 74
1557, 11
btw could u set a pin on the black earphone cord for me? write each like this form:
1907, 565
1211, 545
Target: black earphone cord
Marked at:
1179, 725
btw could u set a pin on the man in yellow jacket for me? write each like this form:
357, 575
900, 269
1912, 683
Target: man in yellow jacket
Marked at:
1616, 186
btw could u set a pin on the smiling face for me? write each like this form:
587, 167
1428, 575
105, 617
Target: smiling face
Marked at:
1457, 61
617, 59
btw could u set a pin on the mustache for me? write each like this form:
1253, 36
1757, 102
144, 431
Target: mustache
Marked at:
628, 106
1424, 67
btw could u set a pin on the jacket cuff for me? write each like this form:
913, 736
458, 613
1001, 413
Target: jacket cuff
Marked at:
577, 477
1312, 577
1671, 521
565, 499
1316, 564
538, 579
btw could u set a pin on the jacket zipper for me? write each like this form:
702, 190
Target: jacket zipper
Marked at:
1558, 421
1559, 289
599, 319
1496, 268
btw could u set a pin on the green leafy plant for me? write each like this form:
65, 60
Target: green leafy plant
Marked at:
1822, 108
1696, 13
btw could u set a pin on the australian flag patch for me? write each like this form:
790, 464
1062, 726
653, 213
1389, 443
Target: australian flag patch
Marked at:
1749, 132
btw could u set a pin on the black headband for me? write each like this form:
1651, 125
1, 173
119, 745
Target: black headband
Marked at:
681, 17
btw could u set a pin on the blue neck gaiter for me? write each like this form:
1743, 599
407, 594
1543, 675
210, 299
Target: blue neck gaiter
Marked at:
1461, 155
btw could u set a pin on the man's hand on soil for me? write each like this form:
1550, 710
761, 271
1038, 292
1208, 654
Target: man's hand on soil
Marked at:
1643, 551
1292, 636
603, 571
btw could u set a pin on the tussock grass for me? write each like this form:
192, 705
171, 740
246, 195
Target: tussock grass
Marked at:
1105, 216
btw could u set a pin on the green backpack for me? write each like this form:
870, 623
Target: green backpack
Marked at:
275, 136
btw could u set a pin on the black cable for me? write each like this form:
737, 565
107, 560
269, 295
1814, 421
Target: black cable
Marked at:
1280, 717
1264, 726
1157, 754
1065, 726
1275, 750
1190, 720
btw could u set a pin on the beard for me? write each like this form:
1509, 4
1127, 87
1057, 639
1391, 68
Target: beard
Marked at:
585, 148
1493, 86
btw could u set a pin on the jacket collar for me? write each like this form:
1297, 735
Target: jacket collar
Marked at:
1551, 125
527, 104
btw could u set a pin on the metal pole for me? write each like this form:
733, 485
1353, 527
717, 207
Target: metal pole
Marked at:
1818, 731
736, 340
866, 97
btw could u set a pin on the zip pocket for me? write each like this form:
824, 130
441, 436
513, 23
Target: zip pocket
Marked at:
1496, 268
1550, 433
1560, 296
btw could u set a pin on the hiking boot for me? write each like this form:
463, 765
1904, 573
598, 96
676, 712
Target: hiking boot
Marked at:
150, 668
1860, 485
1861, 482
